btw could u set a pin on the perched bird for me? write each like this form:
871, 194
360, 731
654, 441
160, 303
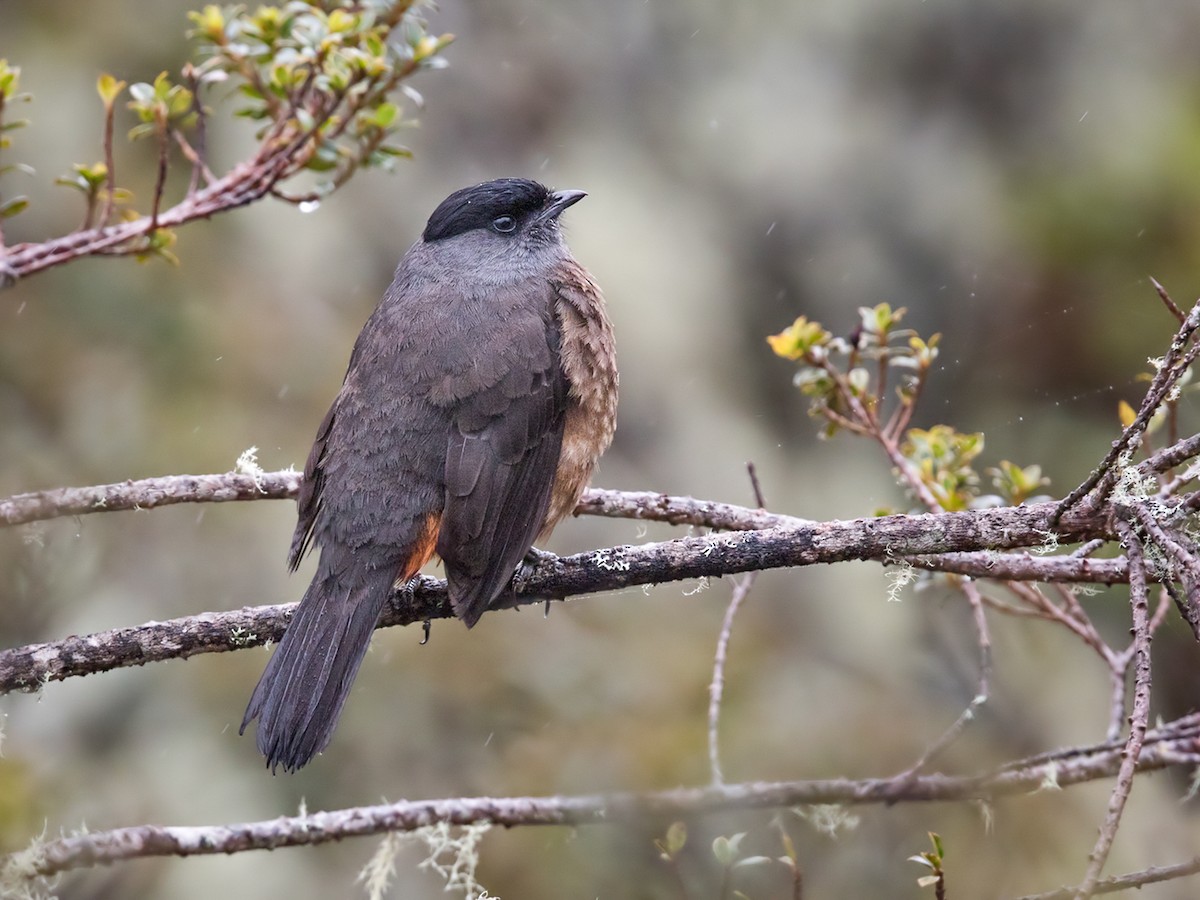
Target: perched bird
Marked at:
479, 396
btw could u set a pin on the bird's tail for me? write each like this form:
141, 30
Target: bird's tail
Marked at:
300, 695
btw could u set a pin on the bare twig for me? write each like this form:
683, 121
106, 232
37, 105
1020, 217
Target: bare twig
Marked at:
1167, 301
716, 690
1176, 361
1138, 721
110, 173
1171, 456
1022, 567
1154, 875
147, 493
951, 734
195, 155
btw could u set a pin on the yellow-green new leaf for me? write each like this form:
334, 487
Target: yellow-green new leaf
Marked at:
109, 88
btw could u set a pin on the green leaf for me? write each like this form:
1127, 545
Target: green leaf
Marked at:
798, 339
13, 207
1017, 484
725, 849
385, 115
10, 80
210, 24
109, 89
674, 841
141, 92
137, 132
342, 21
325, 159
937, 845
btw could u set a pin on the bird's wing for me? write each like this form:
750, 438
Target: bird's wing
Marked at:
501, 460
374, 475
308, 501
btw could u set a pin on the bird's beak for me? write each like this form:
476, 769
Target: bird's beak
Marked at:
558, 201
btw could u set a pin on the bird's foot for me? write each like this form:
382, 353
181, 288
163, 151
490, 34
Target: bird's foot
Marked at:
529, 566
404, 594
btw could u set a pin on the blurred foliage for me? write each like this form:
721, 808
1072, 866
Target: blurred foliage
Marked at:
10, 82
1009, 171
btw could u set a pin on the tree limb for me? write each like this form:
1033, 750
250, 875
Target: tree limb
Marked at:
715, 555
1171, 745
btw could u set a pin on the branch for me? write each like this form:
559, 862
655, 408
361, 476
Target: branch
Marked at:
148, 493
322, 114
883, 538
1171, 745
1138, 721
1172, 368
1153, 875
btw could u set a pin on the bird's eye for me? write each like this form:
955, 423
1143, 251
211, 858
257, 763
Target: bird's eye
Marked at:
504, 224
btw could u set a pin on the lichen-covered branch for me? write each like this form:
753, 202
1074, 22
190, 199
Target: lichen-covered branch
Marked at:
884, 538
148, 493
1173, 744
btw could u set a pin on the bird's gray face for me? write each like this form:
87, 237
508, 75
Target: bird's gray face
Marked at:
498, 232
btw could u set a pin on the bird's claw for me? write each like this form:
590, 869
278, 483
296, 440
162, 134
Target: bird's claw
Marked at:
529, 566
404, 596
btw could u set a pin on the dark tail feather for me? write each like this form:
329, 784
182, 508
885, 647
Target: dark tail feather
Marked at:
300, 695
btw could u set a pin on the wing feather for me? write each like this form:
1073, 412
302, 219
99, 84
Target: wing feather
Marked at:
501, 462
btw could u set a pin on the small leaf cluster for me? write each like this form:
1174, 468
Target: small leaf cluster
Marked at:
320, 72
10, 92
727, 855
847, 378
934, 860
868, 383
160, 107
320, 77
92, 182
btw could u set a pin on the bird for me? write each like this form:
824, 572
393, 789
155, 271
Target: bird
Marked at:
478, 399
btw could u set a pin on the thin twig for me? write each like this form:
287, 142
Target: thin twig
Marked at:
1166, 299
160, 180
1138, 720
1068, 617
1171, 456
716, 690
195, 155
951, 734
1173, 365
1131, 880
148, 493
110, 175
1116, 713
1019, 566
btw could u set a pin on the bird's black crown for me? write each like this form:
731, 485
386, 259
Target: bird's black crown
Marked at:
477, 206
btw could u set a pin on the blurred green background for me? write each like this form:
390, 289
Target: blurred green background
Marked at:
1009, 170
